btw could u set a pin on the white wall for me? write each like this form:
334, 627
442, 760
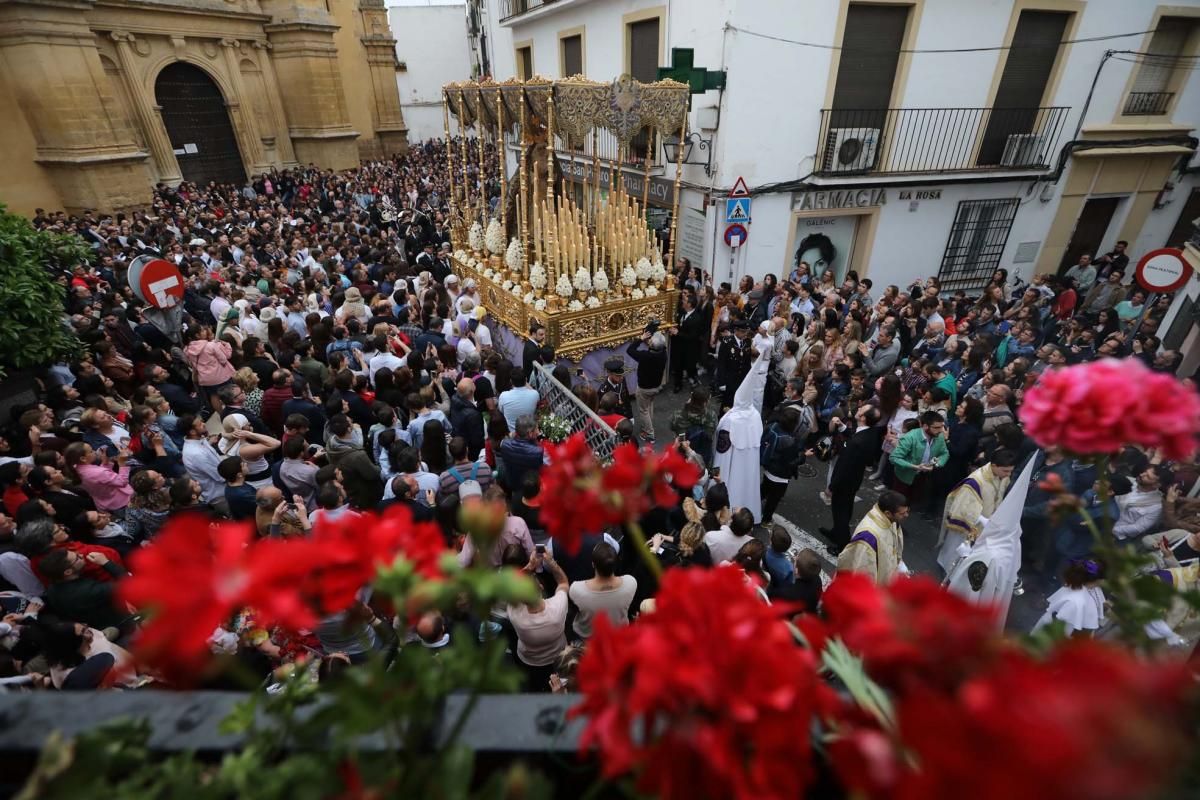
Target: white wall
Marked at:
770, 110
431, 39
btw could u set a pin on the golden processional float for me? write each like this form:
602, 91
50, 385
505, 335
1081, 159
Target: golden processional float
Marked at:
584, 263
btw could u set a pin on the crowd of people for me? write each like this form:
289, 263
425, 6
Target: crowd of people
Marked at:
331, 363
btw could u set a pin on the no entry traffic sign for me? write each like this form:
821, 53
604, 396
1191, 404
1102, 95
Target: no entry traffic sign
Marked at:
1163, 270
155, 281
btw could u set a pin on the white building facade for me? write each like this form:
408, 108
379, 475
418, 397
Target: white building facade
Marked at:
433, 48
904, 138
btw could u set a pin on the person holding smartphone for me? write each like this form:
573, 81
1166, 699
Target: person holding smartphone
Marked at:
917, 454
540, 625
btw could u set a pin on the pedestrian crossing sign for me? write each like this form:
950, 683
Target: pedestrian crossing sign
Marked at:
737, 209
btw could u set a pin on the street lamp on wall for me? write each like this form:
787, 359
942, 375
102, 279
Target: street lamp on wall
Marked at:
693, 145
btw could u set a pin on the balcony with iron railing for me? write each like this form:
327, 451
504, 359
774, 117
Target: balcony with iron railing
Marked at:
513, 8
1143, 104
904, 141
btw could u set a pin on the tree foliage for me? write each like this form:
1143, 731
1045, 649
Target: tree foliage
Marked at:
32, 332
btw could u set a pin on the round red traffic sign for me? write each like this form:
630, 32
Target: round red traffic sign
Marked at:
1163, 270
736, 234
156, 281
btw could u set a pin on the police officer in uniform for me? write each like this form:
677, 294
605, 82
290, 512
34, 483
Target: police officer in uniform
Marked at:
733, 360
615, 383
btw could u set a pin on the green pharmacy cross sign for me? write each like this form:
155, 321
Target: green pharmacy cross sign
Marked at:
698, 79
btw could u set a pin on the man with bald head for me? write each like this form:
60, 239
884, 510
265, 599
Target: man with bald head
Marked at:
465, 419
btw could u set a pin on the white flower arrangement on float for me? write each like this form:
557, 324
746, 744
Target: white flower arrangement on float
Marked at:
527, 299
516, 290
658, 273
461, 255
490, 274
592, 302
540, 305
583, 281
563, 287
512, 258
574, 305
637, 294
471, 262
600, 281
475, 236
537, 276
628, 276
494, 238
651, 291
508, 285
643, 269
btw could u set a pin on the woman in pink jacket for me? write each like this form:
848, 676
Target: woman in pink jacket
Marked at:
108, 488
209, 360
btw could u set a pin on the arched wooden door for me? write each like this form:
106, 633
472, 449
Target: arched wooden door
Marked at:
197, 122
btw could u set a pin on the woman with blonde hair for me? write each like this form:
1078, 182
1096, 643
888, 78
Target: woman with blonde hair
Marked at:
833, 349
247, 380
239, 439
693, 552
851, 336
814, 336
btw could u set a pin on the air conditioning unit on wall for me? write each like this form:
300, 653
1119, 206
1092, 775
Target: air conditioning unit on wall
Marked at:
1023, 150
851, 149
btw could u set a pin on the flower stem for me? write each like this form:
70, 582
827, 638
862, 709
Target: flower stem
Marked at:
635, 529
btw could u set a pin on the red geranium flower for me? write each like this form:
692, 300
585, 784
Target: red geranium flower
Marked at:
196, 574
913, 631
1092, 721
1052, 484
1102, 406
349, 550
716, 687
581, 496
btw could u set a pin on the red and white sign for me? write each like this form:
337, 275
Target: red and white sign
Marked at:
1163, 270
155, 281
736, 235
739, 188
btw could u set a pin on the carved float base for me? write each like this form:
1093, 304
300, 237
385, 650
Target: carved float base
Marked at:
574, 334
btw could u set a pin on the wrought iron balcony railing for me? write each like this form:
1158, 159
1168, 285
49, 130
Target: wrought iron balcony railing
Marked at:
897, 141
511, 8
1147, 103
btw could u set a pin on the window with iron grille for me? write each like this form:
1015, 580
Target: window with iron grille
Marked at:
976, 243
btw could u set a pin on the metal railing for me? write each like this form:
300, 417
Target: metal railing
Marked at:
562, 402
608, 149
1147, 103
915, 140
511, 8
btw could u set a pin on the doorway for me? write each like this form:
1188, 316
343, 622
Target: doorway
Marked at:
1185, 224
197, 123
1089, 231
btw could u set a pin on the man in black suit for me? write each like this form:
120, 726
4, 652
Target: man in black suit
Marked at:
689, 337
532, 352
860, 452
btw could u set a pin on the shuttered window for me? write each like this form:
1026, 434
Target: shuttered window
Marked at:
1152, 88
572, 55
643, 65
867, 65
1031, 58
1027, 69
643, 50
524, 63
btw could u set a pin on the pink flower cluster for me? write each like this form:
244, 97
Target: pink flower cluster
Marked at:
1104, 405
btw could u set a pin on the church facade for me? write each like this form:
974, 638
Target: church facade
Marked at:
106, 98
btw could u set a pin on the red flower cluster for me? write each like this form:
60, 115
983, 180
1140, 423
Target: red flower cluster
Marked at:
197, 574
1091, 721
1102, 406
352, 548
980, 718
915, 633
717, 688
580, 496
